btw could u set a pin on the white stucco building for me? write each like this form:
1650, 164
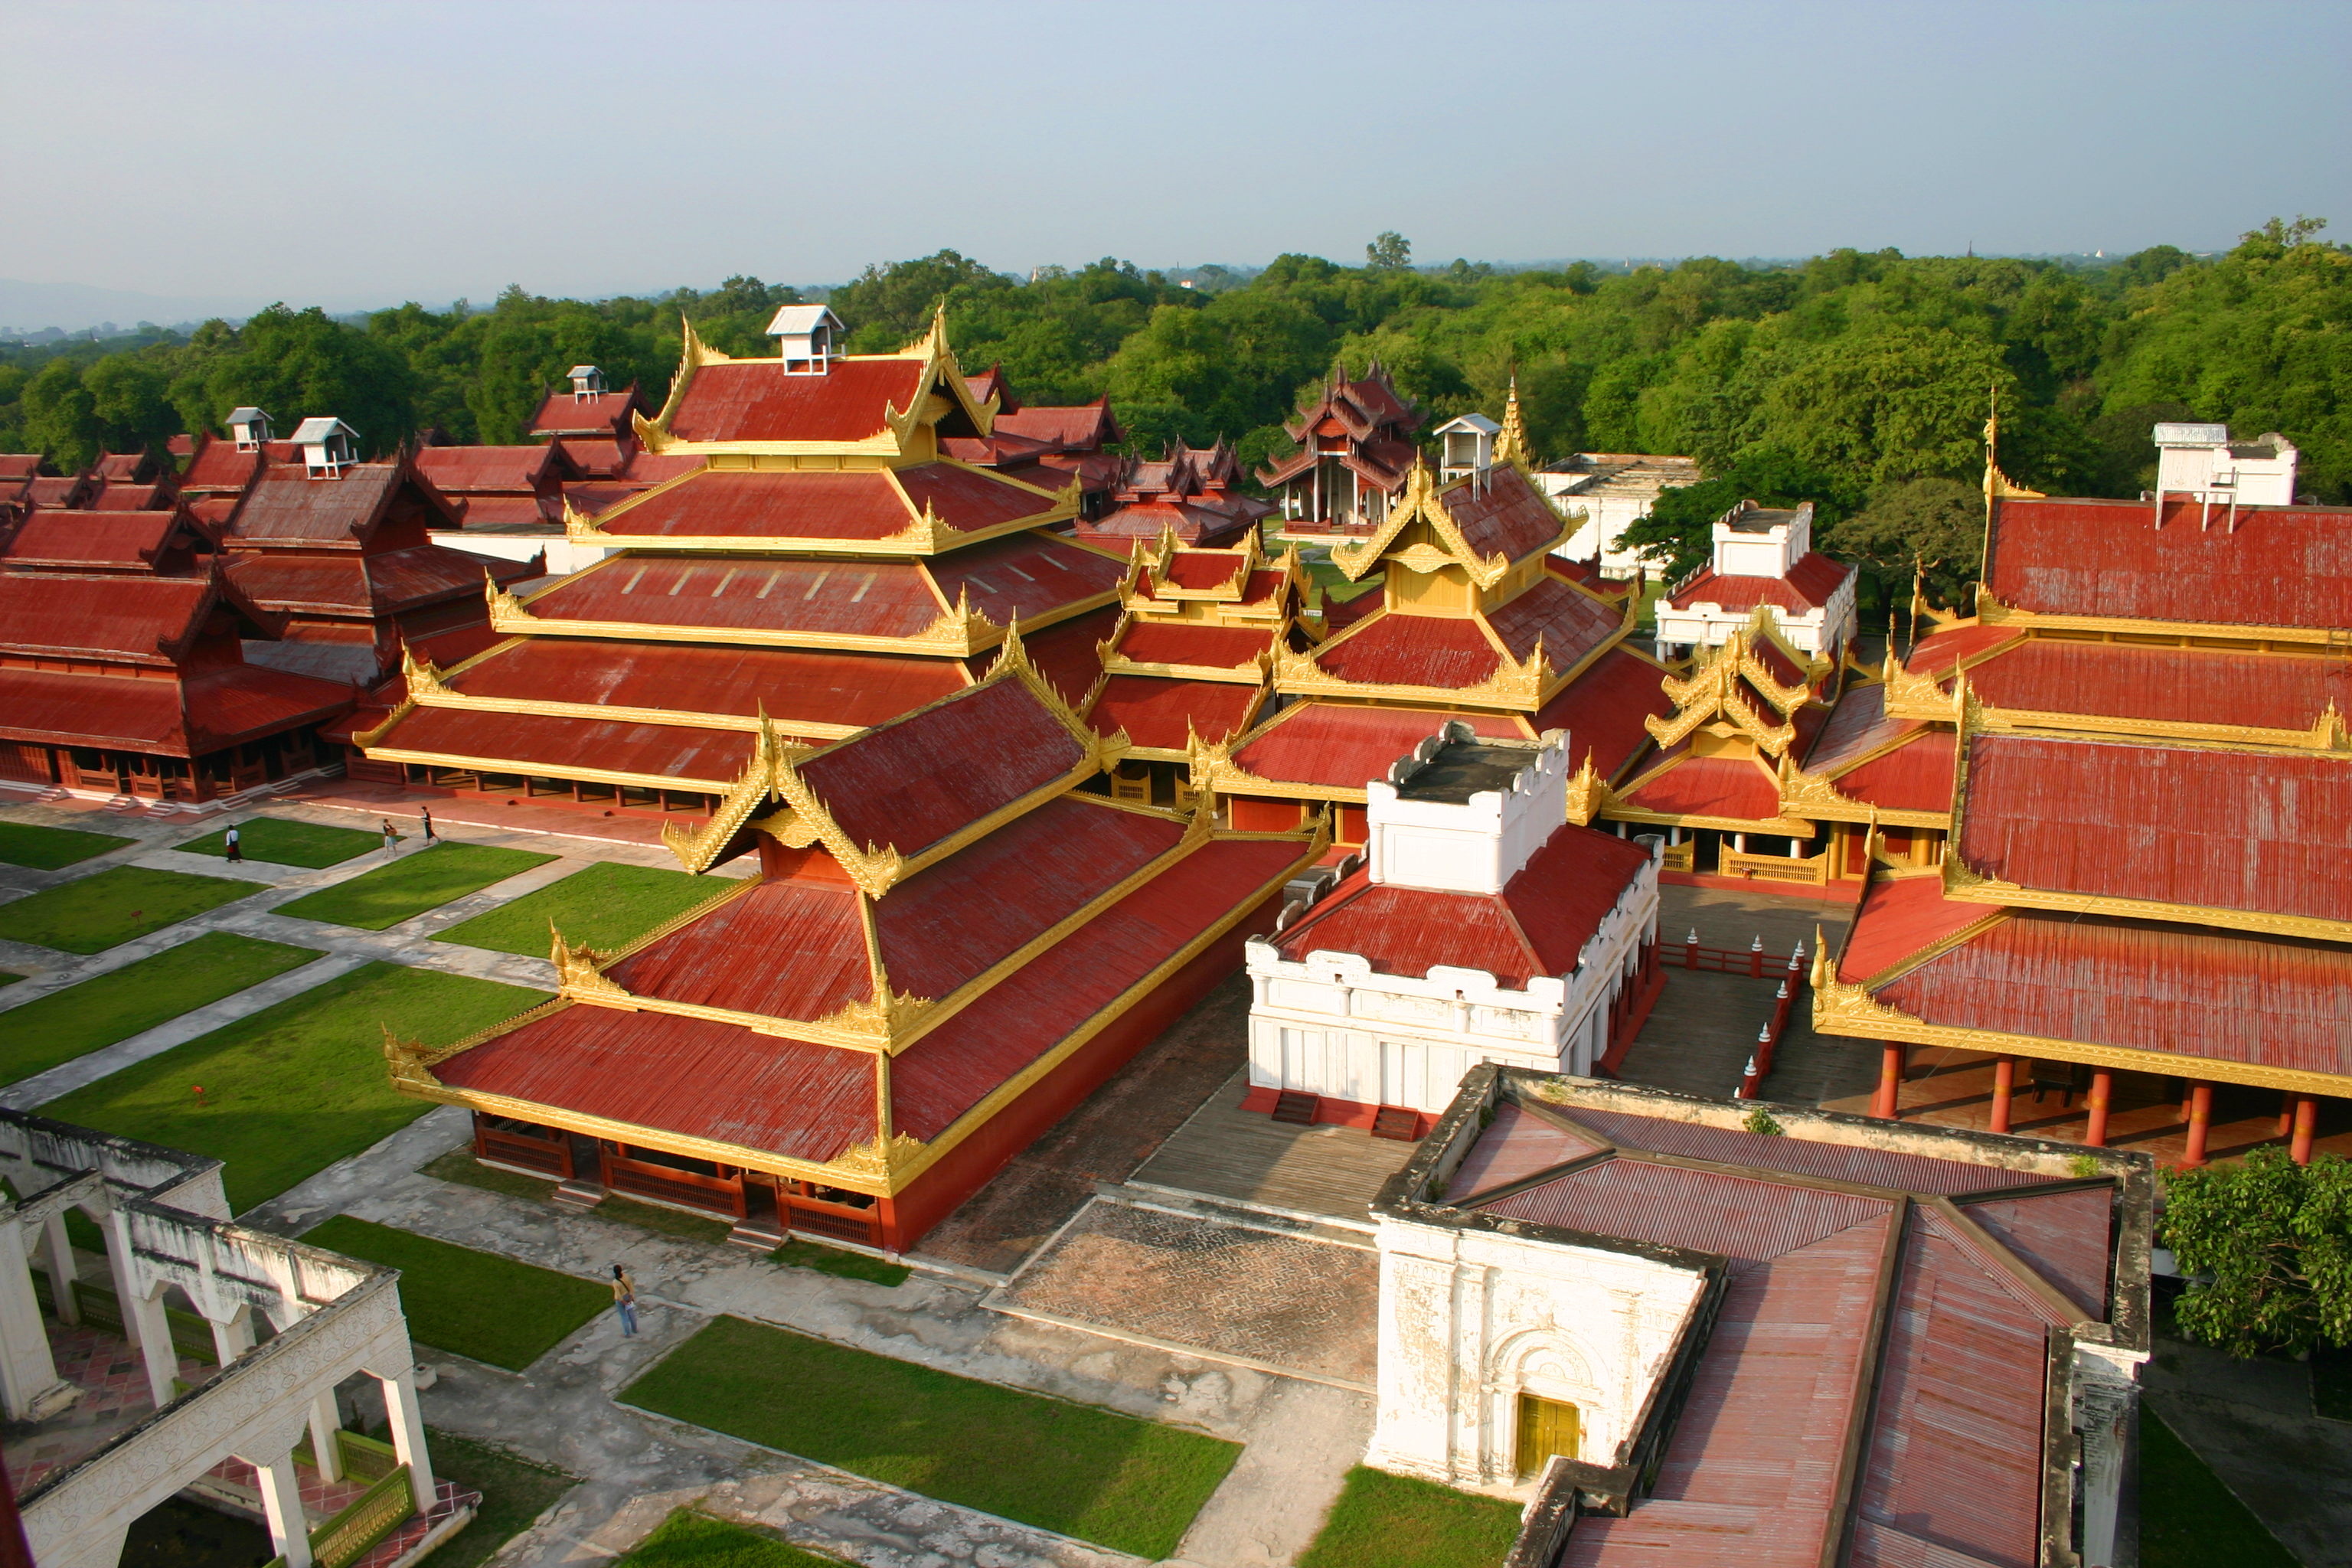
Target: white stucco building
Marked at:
1688, 1339
1483, 927
2201, 463
288, 1323
1761, 557
1613, 490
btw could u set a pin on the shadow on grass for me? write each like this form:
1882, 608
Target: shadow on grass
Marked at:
115, 906
1131, 1485
472, 1303
2188, 1517
1394, 1522
51, 849
690, 1540
98, 1012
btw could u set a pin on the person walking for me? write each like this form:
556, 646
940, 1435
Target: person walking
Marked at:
391, 839
424, 814
235, 850
624, 1301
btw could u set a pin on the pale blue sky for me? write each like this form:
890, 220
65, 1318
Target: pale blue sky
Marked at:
362, 152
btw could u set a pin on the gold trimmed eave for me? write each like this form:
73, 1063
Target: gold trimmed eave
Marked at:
926, 533
1991, 612
1423, 498
1526, 685
1816, 797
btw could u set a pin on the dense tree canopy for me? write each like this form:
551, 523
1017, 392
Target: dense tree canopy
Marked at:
2268, 1244
1852, 380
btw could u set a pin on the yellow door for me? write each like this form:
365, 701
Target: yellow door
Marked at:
1547, 1427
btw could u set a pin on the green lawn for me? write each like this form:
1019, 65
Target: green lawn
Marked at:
426, 880
460, 1166
1102, 1477
514, 1490
49, 848
297, 1086
2188, 1519
690, 1540
118, 1004
847, 1265
284, 843
110, 909
1393, 1522
606, 905
9, 978
473, 1303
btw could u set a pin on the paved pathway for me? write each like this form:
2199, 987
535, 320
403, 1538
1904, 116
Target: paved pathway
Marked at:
2253, 1422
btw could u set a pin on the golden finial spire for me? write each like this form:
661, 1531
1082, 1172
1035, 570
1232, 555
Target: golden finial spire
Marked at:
1511, 445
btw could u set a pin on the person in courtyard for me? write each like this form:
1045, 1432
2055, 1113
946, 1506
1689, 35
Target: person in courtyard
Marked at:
391, 839
235, 850
625, 1299
424, 814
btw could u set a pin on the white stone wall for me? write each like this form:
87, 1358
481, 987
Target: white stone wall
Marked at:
1472, 846
1705, 625
1469, 1321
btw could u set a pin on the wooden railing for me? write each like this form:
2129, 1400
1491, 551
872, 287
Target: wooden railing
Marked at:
668, 1184
1749, 961
1683, 857
364, 1457
549, 1153
1813, 872
375, 1513
838, 1220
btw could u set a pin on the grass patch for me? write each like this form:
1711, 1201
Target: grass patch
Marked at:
111, 907
460, 1166
2188, 1519
847, 1265
514, 1490
1394, 1522
9, 978
400, 889
49, 848
284, 843
606, 906
116, 1005
297, 1086
690, 1540
1127, 1484
472, 1303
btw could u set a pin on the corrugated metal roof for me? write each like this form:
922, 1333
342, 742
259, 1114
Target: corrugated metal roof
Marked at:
1899, 917
1340, 746
2189, 686
864, 598
1156, 711
123, 539
2274, 566
534, 743
2065, 1236
142, 617
284, 504
758, 400
1390, 649
786, 949
1498, 513
1064, 653
1915, 777
465, 470
970, 499
1710, 787
733, 503
1798, 1158
1807, 587
1515, 1145
1746, 1217
1023, 574
1216, 647
2261, 832
1569, 622
1602, 711
791, 684
1856, 727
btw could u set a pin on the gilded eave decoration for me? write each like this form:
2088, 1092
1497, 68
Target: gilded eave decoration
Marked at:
1424, 499
1817, 798
1515, 683
925, 532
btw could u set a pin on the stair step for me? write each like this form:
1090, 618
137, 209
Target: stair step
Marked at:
578, 1194
758, 1236
1297, 1107
1395, 1121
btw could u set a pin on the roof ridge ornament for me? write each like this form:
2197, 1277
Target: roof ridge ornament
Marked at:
1511, 442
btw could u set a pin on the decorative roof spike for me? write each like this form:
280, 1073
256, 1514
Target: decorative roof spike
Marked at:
1011, 657
1511, 443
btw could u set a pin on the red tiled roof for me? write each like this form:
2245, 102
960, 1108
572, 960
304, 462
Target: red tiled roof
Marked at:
1915, 777
1203, 570
219, 466
950, 1070
1064, 653
1710, 787
1024, 575
1941, 653
789, 948
597, 457
1856, 727
865, 598
917, 780
758, 400
462, 470
1499, 512
352, 584
1808, 586
681, 1075
286, 505
563, 412
791, 684
123, 539
1163, 713
1539, 924
2253, 832
133, 498
1192, 522
2190, 686
1392, 649
816, 504
20, 465
247, 702
2279, 566
970, 498
1340, 746
535, 742
43, 707
1194, 643
1569, 622
1080, 428
144, 618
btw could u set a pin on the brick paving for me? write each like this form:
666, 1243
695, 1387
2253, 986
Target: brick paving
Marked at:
112, 1378
1288, 1302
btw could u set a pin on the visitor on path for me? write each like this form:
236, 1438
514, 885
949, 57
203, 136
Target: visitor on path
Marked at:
235, 850
391, 839
625, 1299
424, 814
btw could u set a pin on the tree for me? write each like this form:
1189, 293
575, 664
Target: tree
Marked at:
297, 363
888, 306
1391, 252
60, 418
1678, 534
1935, 526
2268, 1244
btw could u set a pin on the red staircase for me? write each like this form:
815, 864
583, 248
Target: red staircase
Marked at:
1395, 1121
1297, 1107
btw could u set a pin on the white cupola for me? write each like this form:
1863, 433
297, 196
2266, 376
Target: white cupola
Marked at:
2200, 462
329, 445
587, 382
1465, 444
250, 428
1462, 813
1752, 540
809, 338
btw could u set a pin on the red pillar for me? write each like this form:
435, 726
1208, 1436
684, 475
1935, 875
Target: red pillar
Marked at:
2200, 1122
2005, 1085
1889, 1100
2094, 1124
2286, 1111
2306, 1128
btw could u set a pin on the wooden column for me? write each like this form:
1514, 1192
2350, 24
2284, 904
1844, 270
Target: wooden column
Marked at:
2286, 1111
2200, 1122
1889, 1100
2094, 1124
2004, 1086
2306, 1128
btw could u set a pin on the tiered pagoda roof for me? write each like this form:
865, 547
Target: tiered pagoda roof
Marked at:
1363, 420
1188, 493
942, 919
817, 565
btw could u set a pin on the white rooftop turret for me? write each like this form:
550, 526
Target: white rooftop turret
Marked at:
329, 445
1466, 443
587, 382
250, 428
809, 338
1462, 813
1752, 540
2201, 463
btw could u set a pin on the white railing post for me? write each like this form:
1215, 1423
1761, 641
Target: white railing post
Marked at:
408, 1421
281, 1500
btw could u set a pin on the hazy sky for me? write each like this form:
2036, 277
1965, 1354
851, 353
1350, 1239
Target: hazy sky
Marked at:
361, 152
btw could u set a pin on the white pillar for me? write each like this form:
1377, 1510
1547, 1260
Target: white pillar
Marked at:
1796, 848
325, 1422
29, 1383
154, 1335
1739, 843
281, 1499
407, 1420
235, 1337
60, 1261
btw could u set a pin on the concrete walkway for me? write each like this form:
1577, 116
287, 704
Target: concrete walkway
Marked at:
2253, 1422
